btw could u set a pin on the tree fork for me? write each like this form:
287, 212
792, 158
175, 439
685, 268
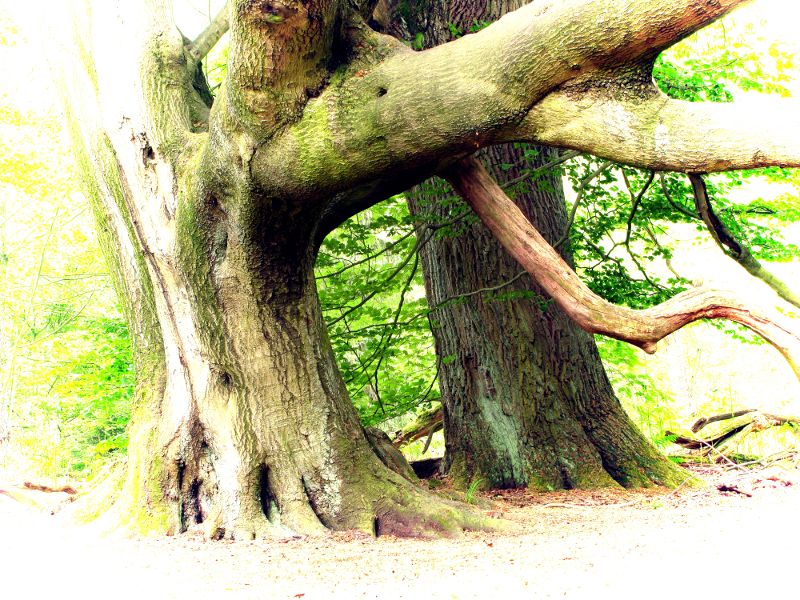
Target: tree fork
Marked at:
242, 425
214, 219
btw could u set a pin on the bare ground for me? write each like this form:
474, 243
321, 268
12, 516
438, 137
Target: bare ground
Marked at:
602, 544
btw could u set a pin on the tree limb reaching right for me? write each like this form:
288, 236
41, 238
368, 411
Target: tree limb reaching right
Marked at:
643, 328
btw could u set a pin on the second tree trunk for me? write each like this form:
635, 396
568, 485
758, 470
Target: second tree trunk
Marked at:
526, 398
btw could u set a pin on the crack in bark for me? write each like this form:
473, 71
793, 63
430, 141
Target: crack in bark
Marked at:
312, 502
269, 501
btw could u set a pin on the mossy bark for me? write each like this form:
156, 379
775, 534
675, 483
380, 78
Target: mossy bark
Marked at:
526, 399
242, 425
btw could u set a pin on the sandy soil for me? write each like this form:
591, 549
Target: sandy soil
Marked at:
605, 544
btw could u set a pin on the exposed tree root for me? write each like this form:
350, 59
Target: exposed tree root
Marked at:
643, 328
417, 513
372, 499
388, 453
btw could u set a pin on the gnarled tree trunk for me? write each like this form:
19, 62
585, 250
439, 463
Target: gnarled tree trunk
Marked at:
242, 423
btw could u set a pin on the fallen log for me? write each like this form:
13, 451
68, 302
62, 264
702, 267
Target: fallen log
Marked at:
66, 489
427, 423
747, 421
702, 422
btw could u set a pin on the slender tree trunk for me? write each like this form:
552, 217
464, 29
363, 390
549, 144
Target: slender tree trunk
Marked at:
526, 399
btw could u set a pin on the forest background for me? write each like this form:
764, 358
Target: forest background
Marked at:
65, 367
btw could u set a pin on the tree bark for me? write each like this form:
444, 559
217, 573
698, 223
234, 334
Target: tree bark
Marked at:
242, 424
527, 401
643, 328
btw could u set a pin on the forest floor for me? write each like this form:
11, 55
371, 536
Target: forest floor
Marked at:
735, 538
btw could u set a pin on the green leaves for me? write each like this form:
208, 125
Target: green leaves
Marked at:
372, 296
65, 364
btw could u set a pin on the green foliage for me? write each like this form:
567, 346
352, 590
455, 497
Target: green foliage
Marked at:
65, 365
372, 296
472, 490
722, 60
457, 32
89, 393
651, 409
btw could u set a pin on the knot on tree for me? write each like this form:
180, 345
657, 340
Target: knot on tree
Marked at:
268, 12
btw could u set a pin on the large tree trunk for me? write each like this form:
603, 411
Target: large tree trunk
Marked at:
242, 423
526, 399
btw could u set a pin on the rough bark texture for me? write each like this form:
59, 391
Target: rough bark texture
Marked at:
526, 399
212, 219
242, 424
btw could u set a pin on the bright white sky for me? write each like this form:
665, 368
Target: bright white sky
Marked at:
777, 20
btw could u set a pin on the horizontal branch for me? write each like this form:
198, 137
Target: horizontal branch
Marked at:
643, 328
660, 133
380, 115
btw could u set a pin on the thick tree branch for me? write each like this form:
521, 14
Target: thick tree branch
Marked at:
378, 116
737, 250
653, 131
643, 328
279, 56
200, 47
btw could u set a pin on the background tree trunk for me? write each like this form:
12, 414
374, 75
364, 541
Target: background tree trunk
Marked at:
526, 399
